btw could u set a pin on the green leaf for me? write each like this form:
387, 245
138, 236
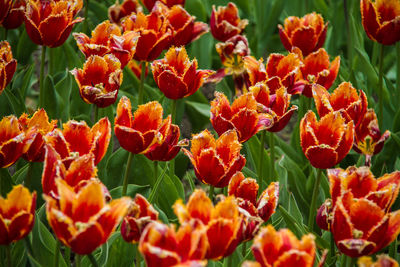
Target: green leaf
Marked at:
131, 191
6, 182
25, 49
63, 89
50, 98
15, 100
23, 80
202, 109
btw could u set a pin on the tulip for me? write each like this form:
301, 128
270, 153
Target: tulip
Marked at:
11, 141
382, 261
215, 161
255, 70
117, 12
99, 80
5, 6
317, 69
381, 20
15, 16
222, 221
49, 22
78, 139
83, 220
307, 33
282, 248
177, 76
8, 65
225, 22
136, 68
35, 129
326, 142
17, 214
149, 4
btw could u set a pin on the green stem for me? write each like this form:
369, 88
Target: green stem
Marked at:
311, 215
393, 249
28, 177
157, 184
211, 193
138, 257
398, 70
244, 249
41, 77
78, 259
8, 252
28, 245
228, 261
272, 156
67, 256
332, 252
57, 253
127, 169
141, 85
92, 260
261, 162
349, 36
352, 262
85, 23
173, 118
96, 114
380, 87
5, 33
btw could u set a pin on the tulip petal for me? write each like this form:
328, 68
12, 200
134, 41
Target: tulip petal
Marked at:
171, 85
322, 156
304, 39
87, 240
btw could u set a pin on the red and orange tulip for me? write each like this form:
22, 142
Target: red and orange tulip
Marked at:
317, 69
117, 12
307, 33
15, 17
382, 261
162, 245
216, 161
78, 139
222, 221
11, 141
8, 65
242, 116
149, 4
277, 105
35, 129
83, 220
17, 214
49, 23
177, 76
282, 248
155, 34
225, 22
326, 142
140, 133
344, 98
381, 20
137, 219
99, 80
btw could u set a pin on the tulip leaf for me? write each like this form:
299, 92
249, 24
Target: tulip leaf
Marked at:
18, 254
15, 100
121, 251
50, 98
23, 80
202, 109
6, 182
131, 191
25, 49
63, 88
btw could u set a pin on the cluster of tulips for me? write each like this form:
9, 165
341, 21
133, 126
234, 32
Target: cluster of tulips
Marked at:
79, 207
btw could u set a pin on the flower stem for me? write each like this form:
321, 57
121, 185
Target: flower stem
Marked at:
92, 260
137, 260
332, 252
211, 193
78, 259
141, 85
28, 178
261, 161
8, 252
272, 152
157, 183
311, 215
244, 249
393, 249
57, 254
173, 118
96, 114
127, 169
41, 77
85, 23
67, 255
349, 35
380, 87
398, 70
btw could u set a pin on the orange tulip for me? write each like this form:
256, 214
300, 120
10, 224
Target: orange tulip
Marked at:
277, 105
254, 212
222, 221
317, 69
225, 22
140, 133
326, 142
137, 219
368, 139
35, 128
307, 33
17, 214
282, 248
8, 65
83, 220
381, 20
344, 98
382, 261
162, 245
215, 161
78, 139
149, 4
11, 141
15, 17
242, 116
155, 34
177, 76
49, 22
117, 12
99, 80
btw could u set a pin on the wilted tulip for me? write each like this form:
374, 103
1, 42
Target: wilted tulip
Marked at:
49, 22
17, 214
307, 33
225, 22
140, 133
317, 69
83, 220
277, 105
215, 161
326, 142
177, 76
35, 129
99, 80
117, 12
242, 116
11, 141
222, 221
381, 20
137, 219
8, 65
382, 261
15, 16
149, 4
78, 139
